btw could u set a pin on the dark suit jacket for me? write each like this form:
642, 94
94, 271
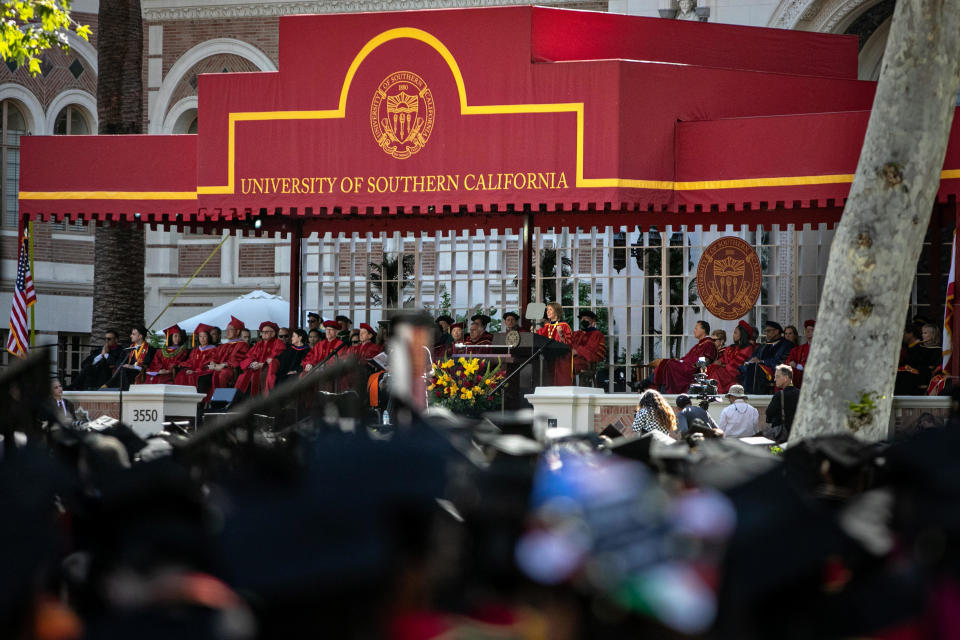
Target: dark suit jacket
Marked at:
783, 407
52, 411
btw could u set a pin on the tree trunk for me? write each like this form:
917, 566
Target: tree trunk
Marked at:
848, 383
118, 284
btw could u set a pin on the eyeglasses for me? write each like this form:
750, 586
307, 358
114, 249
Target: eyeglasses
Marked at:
354, 342
284, 335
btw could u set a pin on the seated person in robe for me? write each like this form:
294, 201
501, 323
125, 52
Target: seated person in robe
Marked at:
368, 346
757, 373
913, 373
259, 369
193, 371
511, 322
231, 352
331, 345
675, 375
291, 360
139, 356
726, 369
97, 368
797, 358
589, 345
478, 330
163, 368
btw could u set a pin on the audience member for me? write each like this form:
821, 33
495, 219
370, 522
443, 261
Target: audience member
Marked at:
739, 419
783, 405
654, 414
694, 419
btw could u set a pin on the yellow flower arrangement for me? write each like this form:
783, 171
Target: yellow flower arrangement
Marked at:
462, 386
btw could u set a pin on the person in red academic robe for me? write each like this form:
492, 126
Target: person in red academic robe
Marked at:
231, 352
797, 358
589, 344
259, 368
193, 371
557, 329
139, 356
675, 376
725, 369
324, 349
478, 334
368, 346
163, 369
363, 351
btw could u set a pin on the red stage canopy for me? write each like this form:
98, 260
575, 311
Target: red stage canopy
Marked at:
458, 118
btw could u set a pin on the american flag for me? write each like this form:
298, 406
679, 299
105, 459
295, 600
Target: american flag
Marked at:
24, 296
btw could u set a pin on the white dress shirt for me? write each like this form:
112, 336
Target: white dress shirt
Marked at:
739, 420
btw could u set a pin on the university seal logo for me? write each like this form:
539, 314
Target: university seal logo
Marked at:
728, 278
402, 114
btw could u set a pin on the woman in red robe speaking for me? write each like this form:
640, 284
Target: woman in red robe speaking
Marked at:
557, 329
675, 376
724, 370
163, 369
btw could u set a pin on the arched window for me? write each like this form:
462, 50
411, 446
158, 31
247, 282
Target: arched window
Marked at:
71, 122
14, 125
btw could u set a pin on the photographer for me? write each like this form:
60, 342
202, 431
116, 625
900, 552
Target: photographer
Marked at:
695, 419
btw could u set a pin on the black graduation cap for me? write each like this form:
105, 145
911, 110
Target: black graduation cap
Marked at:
339, 523
29, 482
127, 436
639, 447
513, 422
850, 461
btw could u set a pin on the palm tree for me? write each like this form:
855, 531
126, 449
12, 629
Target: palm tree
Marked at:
388, 279
118, 280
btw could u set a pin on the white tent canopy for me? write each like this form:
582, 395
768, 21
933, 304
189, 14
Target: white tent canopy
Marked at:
252, 308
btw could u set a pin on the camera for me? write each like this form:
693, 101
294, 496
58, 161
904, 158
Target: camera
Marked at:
702, 387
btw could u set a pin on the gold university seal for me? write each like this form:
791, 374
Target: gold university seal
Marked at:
402, 114
728, 278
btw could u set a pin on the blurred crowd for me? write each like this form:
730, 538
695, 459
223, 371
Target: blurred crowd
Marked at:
442, 527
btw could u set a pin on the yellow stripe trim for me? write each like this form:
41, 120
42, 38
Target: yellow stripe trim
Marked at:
465, 109
108, 195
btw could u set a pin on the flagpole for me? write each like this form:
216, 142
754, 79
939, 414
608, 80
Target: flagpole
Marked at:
32, 271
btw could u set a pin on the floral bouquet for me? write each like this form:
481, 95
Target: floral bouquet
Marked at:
464, 387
